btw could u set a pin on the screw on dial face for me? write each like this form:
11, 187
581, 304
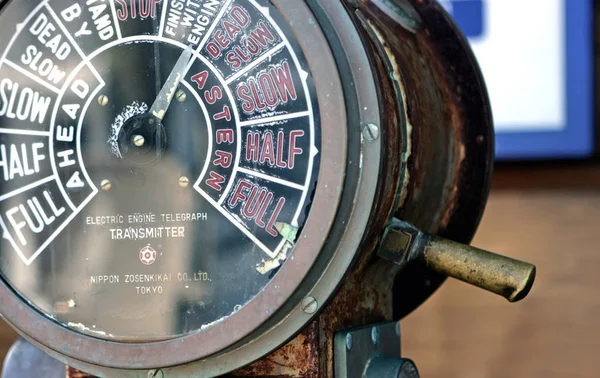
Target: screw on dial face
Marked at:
153, 164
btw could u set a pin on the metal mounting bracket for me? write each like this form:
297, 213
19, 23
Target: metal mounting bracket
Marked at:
372, 352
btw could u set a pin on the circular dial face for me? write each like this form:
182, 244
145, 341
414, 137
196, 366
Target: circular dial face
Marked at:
157, 159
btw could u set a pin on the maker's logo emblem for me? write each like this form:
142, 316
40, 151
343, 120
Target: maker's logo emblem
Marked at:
147, 255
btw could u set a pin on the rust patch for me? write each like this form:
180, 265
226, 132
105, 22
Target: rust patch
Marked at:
296, 359
365, 298
451, 136
448, 109
397, 89
72, 373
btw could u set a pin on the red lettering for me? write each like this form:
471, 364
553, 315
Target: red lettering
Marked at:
224, 159
239, 195
284, 81
263, 35
267, 152
145, 10
261, 213
273, 153
258, 102
226, 113
274, 217
122, 13
243, 92
243, 56
225, 136
215, 181
148, 8
273, 88
213, 95
200, 79
231, 29
254, 204
239, 15
252, 146
294, 151
220, 38
280, 143
251, 45
234, 60
255, 201
213, 49
154, 5
268, 89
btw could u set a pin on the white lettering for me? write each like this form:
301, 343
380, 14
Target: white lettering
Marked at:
40, 219
24, 104
44, 29
71, 13
80, 88
75, 181
65, 135
67, 161
18, 226
146, 233
105, 279
17, 163
83, 30
45, 68
149, 290
71, 110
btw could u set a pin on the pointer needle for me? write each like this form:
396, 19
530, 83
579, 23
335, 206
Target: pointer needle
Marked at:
166, 94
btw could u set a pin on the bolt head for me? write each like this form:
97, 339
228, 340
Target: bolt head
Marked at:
102, 100
309, 305
375, 335
139, 141
155, 373
181, 96
371, 132
349, 341
184, 182
106, 185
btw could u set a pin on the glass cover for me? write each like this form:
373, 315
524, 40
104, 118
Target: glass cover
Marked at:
157, 159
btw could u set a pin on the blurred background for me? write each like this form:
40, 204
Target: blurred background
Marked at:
538, 57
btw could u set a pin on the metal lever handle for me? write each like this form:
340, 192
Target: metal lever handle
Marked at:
502, 275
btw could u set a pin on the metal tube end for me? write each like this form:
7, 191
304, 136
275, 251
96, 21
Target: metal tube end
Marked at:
502, 275
526, 285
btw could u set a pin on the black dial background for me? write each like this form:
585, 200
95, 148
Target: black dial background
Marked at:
212, 271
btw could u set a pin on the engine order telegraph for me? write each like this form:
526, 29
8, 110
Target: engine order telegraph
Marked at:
185, 184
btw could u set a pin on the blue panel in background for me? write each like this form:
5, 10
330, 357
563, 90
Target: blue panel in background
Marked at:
576, 139
469, 16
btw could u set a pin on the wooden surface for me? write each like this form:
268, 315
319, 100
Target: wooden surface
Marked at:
551, 217
7, 338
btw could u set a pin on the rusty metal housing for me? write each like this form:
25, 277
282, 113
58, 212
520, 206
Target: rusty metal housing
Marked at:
401, 66
438, 147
